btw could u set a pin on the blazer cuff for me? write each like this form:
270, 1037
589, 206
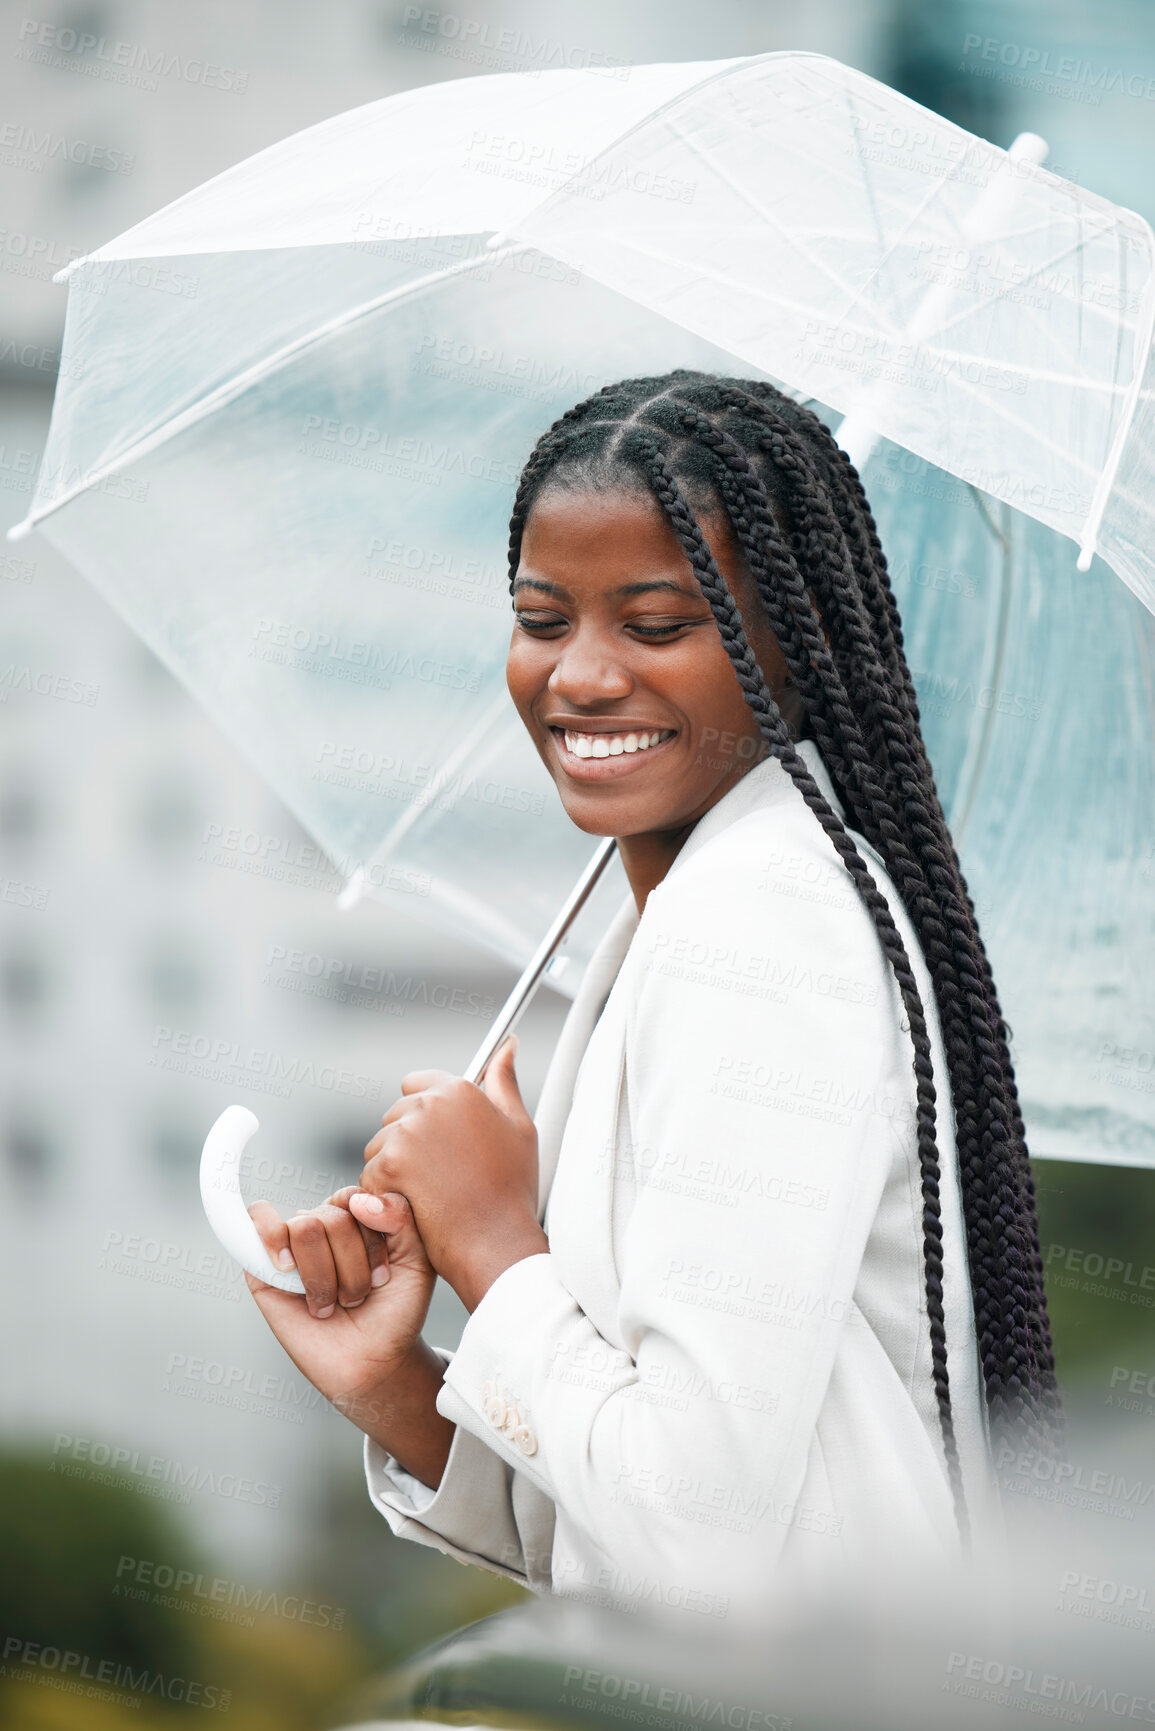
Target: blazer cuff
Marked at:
393, 1490
470, 1516
502, 1359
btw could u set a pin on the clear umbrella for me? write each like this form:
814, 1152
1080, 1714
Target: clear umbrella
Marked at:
295, 403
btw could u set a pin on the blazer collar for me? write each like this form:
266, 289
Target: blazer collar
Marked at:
556, 1096
746, 795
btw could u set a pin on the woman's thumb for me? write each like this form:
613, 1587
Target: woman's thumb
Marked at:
392, 1215
500, 1080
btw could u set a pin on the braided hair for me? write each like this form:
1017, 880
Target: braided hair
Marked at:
695, 442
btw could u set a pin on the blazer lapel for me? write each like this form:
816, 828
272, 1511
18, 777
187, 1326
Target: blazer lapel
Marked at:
746, 795
556, 1099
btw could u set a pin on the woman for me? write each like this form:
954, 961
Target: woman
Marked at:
751, 1302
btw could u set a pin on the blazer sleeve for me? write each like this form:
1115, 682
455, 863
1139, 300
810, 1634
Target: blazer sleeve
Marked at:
767, 1076
483, 1512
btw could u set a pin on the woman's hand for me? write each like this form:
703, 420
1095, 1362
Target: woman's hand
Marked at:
466, 1158
367, 1294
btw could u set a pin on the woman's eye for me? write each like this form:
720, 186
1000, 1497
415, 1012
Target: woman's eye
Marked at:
539, 623
662, 630
530, 624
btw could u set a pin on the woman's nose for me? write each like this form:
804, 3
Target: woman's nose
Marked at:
590, 670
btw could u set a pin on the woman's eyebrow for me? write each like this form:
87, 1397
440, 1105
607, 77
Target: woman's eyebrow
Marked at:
625, 589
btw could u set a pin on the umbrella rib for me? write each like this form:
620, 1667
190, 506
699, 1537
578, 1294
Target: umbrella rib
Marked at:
705, 270
1033, 432
780, 301
355, 888
754, 204
1110, 468
263, 369
1048, 264
870, 192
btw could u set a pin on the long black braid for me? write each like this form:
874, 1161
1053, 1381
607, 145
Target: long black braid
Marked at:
800, 518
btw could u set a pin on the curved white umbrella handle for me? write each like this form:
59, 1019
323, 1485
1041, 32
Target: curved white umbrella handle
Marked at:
224, 1204
230, 1135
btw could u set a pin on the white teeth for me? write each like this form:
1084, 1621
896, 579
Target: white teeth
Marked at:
611, 744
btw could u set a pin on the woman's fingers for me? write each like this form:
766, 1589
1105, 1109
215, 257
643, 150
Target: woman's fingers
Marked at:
391, 1213
273, 1233
353, 1258
339, 1259
376, 1249
309, 1242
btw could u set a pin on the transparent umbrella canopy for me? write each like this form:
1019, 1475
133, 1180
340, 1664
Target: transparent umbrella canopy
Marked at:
294, 404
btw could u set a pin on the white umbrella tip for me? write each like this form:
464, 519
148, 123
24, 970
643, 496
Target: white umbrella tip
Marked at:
353, 892
63, 275
1029, 147
19, 530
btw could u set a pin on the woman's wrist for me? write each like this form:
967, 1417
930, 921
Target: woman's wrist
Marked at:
400, 1414
493, 1258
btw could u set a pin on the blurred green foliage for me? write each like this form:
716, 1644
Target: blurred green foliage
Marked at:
61, 1539
1092, 1218
62, 1587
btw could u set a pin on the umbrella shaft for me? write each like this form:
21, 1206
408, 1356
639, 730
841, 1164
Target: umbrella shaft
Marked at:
519, 999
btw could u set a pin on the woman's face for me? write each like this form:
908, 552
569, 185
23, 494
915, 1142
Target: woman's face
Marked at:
613, 643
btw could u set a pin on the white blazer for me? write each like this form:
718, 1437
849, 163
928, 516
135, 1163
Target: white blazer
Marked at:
717, 1381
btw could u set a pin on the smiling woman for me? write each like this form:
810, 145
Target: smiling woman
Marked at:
757, 1299
621, 678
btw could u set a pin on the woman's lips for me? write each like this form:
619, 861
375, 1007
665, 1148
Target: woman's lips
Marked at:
605, 768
